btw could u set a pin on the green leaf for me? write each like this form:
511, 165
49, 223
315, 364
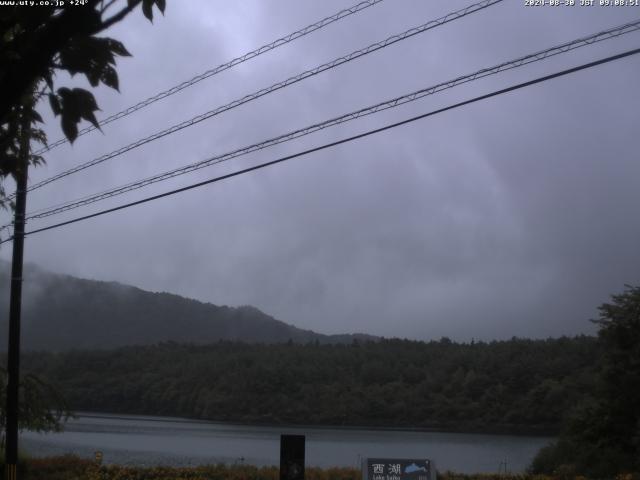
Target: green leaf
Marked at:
110, 77
162, 4
85, 99
90, 117
69, 127
76, 104
39, 136
86, 103
63, 92
35, 117
90, 56
55, 104
117, 47
67, 105
36, 160
93, 57
93, 76
147, 9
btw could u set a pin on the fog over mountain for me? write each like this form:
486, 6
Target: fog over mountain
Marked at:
61, 312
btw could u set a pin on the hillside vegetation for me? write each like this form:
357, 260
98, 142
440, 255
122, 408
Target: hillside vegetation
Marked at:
511, 386
61, 312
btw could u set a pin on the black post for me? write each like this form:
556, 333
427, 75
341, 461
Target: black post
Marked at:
13, 359
292, 457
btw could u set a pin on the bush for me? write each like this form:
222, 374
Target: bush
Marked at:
70, 467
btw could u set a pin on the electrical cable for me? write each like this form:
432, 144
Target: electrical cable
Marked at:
341, 141
277, 86
221, 68
385, 105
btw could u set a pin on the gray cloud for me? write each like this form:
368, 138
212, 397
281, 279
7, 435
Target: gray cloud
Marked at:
515, 216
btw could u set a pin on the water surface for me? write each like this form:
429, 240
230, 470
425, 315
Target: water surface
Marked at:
140, 440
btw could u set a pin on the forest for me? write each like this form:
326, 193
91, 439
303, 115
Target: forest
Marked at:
516, 386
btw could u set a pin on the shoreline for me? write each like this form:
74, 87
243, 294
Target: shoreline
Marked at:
515, 431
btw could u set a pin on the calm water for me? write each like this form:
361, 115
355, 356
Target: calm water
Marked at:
141, 440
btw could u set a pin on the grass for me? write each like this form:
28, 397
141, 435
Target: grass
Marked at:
71, 467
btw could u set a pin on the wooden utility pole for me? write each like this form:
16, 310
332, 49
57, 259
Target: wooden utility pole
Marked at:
13, 358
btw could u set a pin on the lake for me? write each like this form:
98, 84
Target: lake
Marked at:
145, 441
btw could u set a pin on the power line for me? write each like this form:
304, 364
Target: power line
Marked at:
385, 105
339, 142
277, 86
221, 68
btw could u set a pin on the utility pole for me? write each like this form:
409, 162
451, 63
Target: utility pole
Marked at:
13, 358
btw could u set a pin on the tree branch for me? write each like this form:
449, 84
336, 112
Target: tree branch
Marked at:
104, 8
120, 15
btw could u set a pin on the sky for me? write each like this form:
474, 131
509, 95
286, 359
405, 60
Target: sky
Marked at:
514, 216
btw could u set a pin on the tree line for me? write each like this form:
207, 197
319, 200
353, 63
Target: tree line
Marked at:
526, 386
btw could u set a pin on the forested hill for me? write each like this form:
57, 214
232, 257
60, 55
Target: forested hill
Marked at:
525, 386
62, 312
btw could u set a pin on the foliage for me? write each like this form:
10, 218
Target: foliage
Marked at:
38, 42
42, 408
443, 385
71, 468
602, 438
620, 335
20, 122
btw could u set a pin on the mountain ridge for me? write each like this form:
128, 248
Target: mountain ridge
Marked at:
63, 312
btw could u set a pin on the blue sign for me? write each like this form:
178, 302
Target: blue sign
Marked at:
398, 469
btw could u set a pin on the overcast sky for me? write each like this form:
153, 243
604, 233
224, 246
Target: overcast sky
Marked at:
514, 216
